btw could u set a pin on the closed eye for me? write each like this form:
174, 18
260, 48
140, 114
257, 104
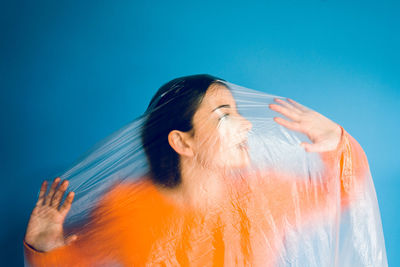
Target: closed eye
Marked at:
223, 116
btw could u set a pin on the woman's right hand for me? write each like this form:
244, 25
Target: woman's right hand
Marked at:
45, 227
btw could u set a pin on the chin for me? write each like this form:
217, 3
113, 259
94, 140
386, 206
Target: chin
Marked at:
241, 160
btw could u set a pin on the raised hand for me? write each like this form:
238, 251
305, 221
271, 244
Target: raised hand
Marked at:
323, 133
45, 226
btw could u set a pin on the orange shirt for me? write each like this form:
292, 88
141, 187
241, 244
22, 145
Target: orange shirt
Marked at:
134, 225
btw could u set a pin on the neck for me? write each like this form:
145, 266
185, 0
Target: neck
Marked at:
200, 187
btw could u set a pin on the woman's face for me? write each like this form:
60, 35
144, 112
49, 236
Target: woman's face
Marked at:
220, 132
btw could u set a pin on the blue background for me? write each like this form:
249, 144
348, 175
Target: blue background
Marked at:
72, 72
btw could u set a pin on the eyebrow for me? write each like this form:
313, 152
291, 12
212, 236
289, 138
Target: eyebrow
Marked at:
222, 106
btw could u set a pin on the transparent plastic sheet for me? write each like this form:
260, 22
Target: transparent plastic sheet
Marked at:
242, 193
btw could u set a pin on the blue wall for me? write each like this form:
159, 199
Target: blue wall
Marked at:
72, 72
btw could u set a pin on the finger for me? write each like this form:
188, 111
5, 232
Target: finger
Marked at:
51, 192
55, 202
288, 124
298, 105
287, 105
312, 147
65, 207
42, 192
285, 111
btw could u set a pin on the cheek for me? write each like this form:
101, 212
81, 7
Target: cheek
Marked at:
217, 145
230, 136
207, 142
228, 133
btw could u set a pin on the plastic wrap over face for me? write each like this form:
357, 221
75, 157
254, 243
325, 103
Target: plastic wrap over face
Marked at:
231, 187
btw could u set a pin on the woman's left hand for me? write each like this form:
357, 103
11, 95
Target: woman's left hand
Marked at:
323, 133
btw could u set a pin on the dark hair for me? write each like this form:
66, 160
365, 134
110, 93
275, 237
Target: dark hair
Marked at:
171, 108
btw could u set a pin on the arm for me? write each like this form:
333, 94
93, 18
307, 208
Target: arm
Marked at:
68, 255
350, 163
95, 246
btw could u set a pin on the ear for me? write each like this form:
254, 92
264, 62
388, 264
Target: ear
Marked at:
181, 143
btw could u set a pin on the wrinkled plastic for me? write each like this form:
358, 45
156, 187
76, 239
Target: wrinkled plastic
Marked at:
254, 197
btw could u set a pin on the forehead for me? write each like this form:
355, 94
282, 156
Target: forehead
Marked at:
216, 95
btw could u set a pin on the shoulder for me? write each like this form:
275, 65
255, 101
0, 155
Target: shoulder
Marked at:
133, 200
123, 195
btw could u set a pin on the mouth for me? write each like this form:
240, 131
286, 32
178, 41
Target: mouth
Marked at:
243, 145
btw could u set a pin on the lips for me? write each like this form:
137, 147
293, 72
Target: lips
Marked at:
243, 145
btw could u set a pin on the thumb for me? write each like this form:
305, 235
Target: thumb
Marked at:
70, 239
311, 147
